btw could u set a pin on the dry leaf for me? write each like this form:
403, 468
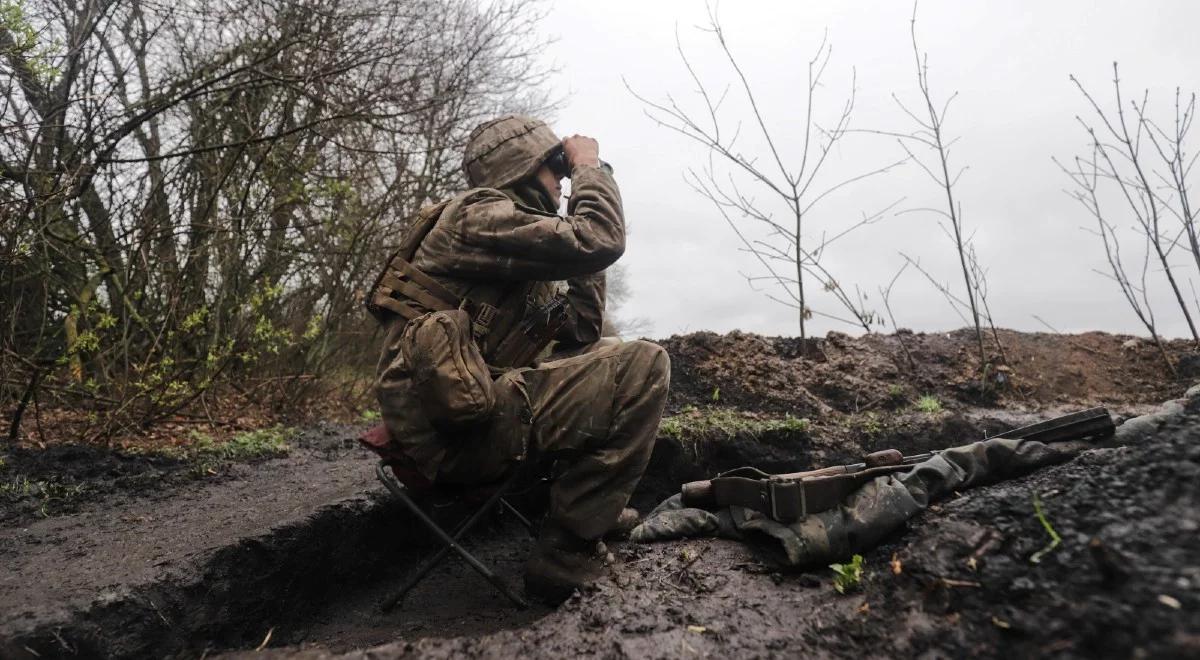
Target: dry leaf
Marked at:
1170, 602
897, 566
1001, 623
266, 640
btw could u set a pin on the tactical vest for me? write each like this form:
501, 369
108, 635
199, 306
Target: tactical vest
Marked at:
509, 328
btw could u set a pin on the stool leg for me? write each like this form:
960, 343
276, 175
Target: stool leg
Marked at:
451, 543
519, 516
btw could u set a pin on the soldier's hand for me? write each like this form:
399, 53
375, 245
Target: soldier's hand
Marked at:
581, 150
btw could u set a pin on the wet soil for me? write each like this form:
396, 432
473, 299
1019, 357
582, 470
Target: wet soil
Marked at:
959, 582
144, 556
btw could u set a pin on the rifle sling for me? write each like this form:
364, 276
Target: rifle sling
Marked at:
788, 500
791, 497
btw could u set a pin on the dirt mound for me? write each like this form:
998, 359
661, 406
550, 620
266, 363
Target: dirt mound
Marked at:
58, 479
849, 374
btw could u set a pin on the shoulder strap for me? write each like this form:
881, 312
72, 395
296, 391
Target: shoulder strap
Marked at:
402, 289
379, 300
420, 227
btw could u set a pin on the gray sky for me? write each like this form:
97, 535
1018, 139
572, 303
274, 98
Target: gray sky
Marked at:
1009, 62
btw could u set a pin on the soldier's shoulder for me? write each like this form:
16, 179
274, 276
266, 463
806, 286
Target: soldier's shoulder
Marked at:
475, 197
475, 201
481, 194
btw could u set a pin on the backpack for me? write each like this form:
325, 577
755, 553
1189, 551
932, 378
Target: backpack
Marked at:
452, 380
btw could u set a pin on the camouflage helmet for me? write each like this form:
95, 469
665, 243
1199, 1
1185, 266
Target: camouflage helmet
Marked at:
503, 151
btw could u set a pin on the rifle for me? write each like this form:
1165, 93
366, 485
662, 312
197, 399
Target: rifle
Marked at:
792, 496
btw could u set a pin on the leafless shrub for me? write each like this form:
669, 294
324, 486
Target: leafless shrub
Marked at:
1138, 169
929, 147
789, 256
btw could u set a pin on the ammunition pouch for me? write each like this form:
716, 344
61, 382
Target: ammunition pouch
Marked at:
452, 381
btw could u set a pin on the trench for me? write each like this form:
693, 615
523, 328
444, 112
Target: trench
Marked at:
318, 582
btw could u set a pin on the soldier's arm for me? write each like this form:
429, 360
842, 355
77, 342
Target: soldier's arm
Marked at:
493, 237
585, 301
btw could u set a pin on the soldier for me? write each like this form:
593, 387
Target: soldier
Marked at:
501, 252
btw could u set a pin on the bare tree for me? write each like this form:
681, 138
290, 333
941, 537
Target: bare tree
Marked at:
794, 185
1086, 177
618, 293
930, 136
1150, 187
885, 295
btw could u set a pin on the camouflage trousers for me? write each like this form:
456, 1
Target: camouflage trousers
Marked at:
595, 414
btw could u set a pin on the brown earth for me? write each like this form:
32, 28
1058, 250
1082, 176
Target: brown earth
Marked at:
143, 556
852, 374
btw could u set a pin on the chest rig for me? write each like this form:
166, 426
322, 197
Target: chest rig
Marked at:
511, 325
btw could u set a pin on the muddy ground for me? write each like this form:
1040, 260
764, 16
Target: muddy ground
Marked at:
959, 582
136, 556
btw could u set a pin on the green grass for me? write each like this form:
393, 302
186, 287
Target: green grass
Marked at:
206, 454
929, 404
869, 424
895, 391
693, 423
44, 492
848, 577
370, 416
263, 443
1055, 539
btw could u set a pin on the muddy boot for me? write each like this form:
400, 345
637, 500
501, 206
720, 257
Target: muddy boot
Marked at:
625, 523
560, 564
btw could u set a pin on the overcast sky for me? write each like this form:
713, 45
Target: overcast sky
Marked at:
1009, 63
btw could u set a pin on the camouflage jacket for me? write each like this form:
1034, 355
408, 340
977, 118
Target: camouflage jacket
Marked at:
490, 243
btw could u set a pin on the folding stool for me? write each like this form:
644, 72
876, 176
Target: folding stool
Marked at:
409, 485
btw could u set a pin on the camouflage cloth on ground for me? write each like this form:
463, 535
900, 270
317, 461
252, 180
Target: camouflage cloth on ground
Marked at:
867, 515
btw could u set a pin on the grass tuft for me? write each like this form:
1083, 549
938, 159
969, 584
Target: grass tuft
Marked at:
206, 454
44, 492
1055, 539
848, 576
929, 404
369, 416
692, 423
